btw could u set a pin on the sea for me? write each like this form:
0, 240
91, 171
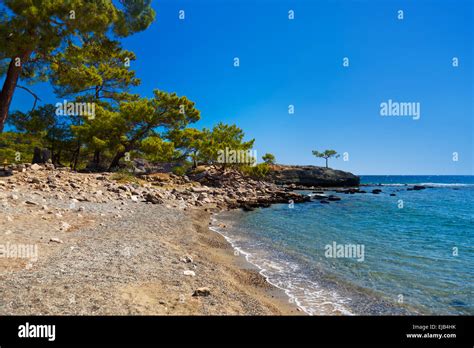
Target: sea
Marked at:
399, 252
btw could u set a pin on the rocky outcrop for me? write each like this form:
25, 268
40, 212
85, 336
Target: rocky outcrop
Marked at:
312, 176
209, 188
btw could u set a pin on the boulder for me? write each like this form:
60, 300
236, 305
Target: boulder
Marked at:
204, 291
153, 199
307, 176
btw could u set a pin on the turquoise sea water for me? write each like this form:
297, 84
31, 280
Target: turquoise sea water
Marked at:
418, 247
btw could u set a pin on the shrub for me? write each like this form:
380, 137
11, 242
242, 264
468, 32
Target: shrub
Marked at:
179, 170
125, 177
259, 171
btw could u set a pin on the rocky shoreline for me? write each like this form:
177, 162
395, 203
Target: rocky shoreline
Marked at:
111, 247
117, 244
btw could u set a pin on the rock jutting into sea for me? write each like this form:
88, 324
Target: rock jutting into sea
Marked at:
307, 176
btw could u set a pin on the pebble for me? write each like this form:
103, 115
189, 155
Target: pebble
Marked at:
204, 291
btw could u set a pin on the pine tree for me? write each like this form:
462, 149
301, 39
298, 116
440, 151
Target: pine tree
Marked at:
33, 32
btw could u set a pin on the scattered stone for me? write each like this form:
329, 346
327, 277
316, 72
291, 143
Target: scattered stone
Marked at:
56, 240
204, 291
186, 259
65, 226
153, 199
189, 273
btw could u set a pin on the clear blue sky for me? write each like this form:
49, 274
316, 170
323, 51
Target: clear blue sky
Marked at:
299, 62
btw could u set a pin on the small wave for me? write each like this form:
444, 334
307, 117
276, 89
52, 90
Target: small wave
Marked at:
305, 294
432, 184
439, 184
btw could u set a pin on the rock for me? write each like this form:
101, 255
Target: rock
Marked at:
311, 176
186, 259
56, 240
324, 202
319, 196
418, 187
153, 199
376, 191
199, 189
35, 181
246, 207
65, 226
35, 167
31, 203
392, 194
189, 273
204, 291
333, 198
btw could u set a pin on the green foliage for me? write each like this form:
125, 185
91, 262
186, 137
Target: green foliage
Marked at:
37, 122
125, 177
188, 142
259, 171
268, 158
142, 118
12, 144
95, 70
53, 37
155, 149
52, 131
42, 27
326, 155
74, 45
179, 170
222, 137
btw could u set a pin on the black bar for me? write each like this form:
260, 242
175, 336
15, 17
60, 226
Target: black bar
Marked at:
223, 331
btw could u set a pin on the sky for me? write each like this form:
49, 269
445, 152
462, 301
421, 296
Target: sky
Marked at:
299, 62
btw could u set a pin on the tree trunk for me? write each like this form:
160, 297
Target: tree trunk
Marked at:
115, 162
96, 160
327, 163
9, 85
76, 155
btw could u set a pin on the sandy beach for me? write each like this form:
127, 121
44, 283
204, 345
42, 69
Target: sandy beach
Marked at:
123, 258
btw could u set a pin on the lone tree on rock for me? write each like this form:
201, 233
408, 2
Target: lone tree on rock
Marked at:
326, 155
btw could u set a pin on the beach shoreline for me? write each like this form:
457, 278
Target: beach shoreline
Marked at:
116, 257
